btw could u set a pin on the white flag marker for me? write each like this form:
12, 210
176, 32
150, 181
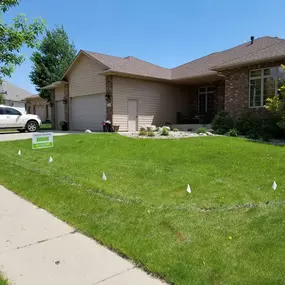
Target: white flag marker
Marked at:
274, 186
188, 189
104, 177
50, 159
19, 152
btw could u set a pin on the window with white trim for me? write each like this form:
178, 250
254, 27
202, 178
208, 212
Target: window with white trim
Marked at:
262, 85
206, 99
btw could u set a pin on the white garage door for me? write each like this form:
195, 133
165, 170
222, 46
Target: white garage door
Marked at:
40, 111
88, 112
59, 113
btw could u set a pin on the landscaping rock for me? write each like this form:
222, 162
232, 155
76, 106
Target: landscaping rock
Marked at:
151, 128
202, 134
209, 134
157, 135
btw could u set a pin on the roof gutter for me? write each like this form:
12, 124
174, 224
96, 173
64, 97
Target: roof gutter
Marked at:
54, 85
245, 63
115, 72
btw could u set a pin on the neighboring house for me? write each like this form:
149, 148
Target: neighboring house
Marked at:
132, 93
14, 96
38, 106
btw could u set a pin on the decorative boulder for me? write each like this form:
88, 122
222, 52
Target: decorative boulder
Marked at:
151, 128
202, 134
88, 131
209, 134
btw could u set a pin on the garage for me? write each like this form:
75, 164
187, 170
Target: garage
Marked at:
40, 111
59, 113
88, 112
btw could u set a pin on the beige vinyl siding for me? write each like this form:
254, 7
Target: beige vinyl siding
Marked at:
158, 102
59, 93
84, 78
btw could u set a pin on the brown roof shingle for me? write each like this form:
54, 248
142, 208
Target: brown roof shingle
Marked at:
131, 65
262, 49
265, 48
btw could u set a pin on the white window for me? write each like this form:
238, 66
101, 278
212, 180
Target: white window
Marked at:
261, 86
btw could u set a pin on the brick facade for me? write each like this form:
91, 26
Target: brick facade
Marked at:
237, 88
109, 98
220, 96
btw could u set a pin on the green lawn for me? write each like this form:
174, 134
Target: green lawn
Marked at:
230, 230
46, 126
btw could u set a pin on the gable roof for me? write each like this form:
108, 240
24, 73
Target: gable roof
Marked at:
131, 65
267, 49
261, 50
15, 93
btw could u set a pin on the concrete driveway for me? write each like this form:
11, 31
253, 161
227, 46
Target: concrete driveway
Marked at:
14, 136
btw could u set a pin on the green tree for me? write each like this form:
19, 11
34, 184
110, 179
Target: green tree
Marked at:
276, 104
52, 59
14, 36
2, 99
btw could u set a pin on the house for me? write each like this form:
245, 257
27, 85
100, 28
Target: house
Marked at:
131, 92
38, 106
14, 96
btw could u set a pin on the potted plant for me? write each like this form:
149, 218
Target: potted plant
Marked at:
116, 127
106, 126
63, 125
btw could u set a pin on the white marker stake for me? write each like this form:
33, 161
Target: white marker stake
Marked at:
274, 186
188, 189
19, 152
104, 177
50, 159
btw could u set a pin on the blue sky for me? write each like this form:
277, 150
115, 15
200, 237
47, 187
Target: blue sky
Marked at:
167, 33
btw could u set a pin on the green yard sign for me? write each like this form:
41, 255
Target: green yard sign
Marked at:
42, 140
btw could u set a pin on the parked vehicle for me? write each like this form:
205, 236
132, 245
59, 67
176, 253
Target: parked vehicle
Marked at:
11, 118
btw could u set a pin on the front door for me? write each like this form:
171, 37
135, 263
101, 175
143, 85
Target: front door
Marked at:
132, 115
206, 104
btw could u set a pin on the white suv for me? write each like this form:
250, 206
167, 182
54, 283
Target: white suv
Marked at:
11, 118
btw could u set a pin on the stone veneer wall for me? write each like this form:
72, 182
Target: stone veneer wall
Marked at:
52, 104
66, 100
237, 88
109, 98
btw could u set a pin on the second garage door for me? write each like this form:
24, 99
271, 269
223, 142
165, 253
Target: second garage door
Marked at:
40, 111
88, 112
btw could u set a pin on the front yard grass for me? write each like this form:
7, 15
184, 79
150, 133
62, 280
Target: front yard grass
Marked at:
230, 230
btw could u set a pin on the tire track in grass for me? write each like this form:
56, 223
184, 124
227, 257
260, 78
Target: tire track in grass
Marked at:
138, 201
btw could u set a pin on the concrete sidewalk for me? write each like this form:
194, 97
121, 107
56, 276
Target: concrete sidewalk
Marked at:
37, 248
